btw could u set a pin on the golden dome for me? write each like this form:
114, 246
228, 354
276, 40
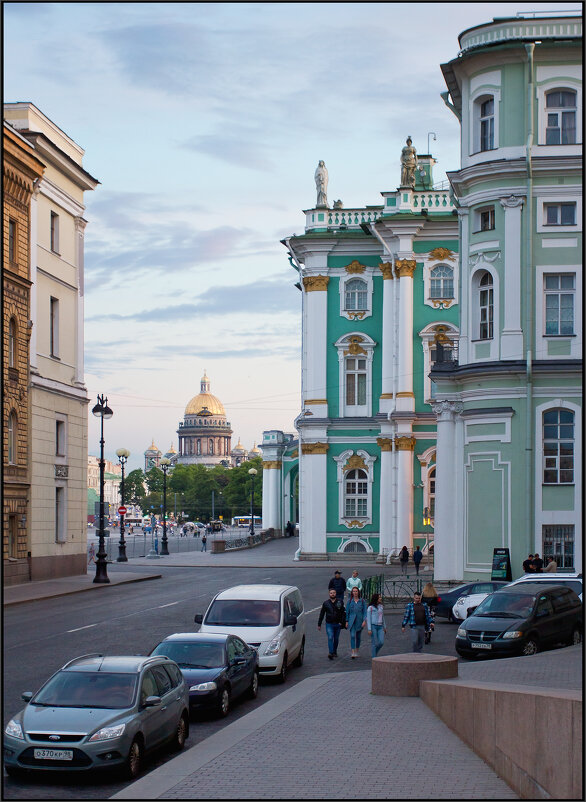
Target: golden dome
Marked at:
205, 403
239, 447
255, 450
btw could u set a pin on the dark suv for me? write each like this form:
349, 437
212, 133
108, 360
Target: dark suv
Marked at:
521, 619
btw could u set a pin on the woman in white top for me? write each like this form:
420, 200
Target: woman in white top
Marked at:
375, 621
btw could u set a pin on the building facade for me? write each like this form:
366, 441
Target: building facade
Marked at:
205, 433
379, 307
58, 397
510, 409
22, 170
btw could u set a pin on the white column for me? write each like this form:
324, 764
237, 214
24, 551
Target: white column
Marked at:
385, 501
80, 225
315, 344
386, 403
33, 277
312, 498
512, 335
404, 445
405, 401
271, 487
463, 343
447, 548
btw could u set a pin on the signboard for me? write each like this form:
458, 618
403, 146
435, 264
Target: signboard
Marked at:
121, 510
501, 565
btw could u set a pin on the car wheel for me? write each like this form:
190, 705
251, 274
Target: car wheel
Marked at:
253, 689
14, 771
530, 647
301, 655
134, 759
181, 734
224, 703
283, 671
451, 619
576, 637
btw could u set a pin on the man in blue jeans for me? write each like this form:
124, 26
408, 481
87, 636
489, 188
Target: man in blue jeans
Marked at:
418, 617
335, 615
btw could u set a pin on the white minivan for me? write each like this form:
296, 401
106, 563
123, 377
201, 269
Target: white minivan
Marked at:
268, 617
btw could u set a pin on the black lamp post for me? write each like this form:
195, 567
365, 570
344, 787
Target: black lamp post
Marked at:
164, 465
252, 473
122, 455
102, 410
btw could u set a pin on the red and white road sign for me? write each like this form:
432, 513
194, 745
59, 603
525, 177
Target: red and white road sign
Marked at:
121, 510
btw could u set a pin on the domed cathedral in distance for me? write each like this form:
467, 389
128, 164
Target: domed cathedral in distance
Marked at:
204, 434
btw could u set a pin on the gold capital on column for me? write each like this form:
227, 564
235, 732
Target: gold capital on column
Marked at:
314, 448
405, 267
315, 283
272, 464
384, 443
405, 443
386, 268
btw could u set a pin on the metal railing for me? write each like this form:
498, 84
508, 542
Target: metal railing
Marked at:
395, 592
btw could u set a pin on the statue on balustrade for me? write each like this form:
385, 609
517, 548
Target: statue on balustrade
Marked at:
321, 184
408, 164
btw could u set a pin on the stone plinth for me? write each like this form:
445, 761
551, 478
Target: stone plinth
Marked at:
220, 545
400, 674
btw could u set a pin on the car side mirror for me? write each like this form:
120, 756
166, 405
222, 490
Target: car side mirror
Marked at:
290, 621
152, 701
238, 661
198, 618
27, 696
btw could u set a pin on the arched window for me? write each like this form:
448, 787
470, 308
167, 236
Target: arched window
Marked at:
431, 491
198, 447
486, 307
561, 117
441, 282
211, 447
558, 447
356, 494
356, 295
12, 343
12, 437
355, 381
486, 120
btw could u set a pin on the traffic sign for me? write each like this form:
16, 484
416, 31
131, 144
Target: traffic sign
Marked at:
121, 510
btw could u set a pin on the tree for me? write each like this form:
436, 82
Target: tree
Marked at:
134, 492
154, 480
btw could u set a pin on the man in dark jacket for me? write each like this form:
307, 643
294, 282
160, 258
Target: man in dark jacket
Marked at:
417, 557
335, 615
338, 583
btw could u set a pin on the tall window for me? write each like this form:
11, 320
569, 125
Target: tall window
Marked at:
54, 327
431, 479
12, 536
211, 447
54, 232
356, 292
60, 516
486, 219
487, 124
559, 303
12, 432
198, 451
12, 240
558, 542
60, 438
561, 117
356, 494
12, 343
486, 305
441, 284
558, 447
559, 214
355, 381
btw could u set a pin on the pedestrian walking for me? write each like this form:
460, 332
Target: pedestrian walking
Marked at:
429, 596
375, 621
91, 554
289, 529
551, 566
537, 563
354, 582
204, 542
335, 614
338, 583
417, 557
355, 618
528, 565
418, 618
404, 559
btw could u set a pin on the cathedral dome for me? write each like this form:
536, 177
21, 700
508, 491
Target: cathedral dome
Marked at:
205, 403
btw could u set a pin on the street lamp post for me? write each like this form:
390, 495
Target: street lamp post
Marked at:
252, 473
122, 454
164, 464
102, 410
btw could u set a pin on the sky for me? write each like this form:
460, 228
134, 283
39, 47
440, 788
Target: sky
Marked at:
204, 123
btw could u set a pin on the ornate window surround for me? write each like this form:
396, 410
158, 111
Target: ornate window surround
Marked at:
428, 463
428, 335
561, 83
352, 271
362, 346
346, 462
488, 89
482, 265
436, 258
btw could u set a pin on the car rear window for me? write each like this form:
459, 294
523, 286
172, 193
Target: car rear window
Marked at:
87, 689
244, 613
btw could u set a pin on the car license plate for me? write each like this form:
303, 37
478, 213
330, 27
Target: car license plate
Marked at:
53, 754
481, 645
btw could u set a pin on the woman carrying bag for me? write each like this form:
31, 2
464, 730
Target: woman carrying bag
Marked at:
356, 619
375, 621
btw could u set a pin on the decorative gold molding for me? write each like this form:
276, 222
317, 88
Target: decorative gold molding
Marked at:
276, 464
386, 395
439, 254
355, 524
314, 448
355, 315
442, 303
355, 461
354, 348
316, 401
386, 268
294, 454
355, 267
405, 443
441, 337
407, 394
316, 283
384, 443
405, 267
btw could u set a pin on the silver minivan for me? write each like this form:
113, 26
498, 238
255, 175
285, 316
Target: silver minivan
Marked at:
270, 618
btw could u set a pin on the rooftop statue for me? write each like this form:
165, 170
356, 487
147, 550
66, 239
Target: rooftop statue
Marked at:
321, 184
408, 164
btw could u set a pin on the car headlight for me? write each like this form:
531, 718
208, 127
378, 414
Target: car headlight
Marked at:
461, 600
108, 732
274, 646
513, 633
14, 729
204, 686
461, 633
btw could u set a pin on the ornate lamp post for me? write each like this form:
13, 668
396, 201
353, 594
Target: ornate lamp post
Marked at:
102, 410
252, 473
164, 465
122, 454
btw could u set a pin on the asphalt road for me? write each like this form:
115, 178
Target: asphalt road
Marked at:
39, 637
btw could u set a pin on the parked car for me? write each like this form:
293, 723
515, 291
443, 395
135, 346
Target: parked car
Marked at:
99, 713
268, 617
446, 601
520, 620
217, 669
573, 581
462, 608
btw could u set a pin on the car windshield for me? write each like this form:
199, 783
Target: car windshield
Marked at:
506, 605
244, 613
87, 689
575, 584
193, 655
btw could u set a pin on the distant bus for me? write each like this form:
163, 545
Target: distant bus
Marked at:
243, 521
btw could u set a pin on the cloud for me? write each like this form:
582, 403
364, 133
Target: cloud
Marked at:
244, 150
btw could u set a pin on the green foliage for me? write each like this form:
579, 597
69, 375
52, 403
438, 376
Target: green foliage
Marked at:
134, 492
154, 480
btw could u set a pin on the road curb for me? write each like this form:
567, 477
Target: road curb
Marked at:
52, 593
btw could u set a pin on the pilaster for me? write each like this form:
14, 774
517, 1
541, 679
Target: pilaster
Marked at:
315, 344
404, 445
464, 341
512, 335
386, 403
405, 400
80, 225
312, 497
33, 276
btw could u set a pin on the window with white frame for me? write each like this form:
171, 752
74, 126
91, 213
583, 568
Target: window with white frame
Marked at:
12, 340
558, 447
558, 543
486, 307
54, 232
559, 290
431, 491
486, 123
54, 327
356, 494
441, 282
60, 442
440, 345
559, 214
356, 295
355, 355
560, 107
355, 372
484, 219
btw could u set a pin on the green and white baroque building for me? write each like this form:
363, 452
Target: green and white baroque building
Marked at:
478, 288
